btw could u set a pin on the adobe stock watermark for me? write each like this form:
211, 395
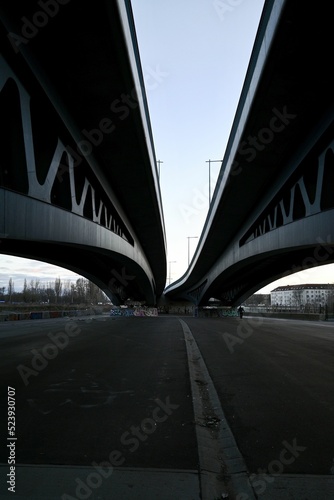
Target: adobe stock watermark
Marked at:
131, 439
154, 77
254, 144
321, 254
200, 198
225, 7
259, 482
199, 203
119, 110
32, 26
245, 329
41, 357
120, 281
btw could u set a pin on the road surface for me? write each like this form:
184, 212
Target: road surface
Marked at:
118, 391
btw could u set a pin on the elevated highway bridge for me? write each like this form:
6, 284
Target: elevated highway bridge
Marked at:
272, 211
79, 185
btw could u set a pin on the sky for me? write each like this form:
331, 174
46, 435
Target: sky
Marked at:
199, 52
194, 57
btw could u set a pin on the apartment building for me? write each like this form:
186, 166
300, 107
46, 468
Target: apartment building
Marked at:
302, 295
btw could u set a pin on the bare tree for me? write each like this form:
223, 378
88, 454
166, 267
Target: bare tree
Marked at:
25, 292
58, 288
10, 289
81, 290
50, 293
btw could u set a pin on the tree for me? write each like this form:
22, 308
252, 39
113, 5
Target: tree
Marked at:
67, 292
10, 289
81, 290
73, 293
32, 290
297, 298
37, 288
25, 292
93, 292
50, 294
58, 288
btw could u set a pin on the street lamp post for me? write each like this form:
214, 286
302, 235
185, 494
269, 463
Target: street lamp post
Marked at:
209, 162
169, 273
189, 238
158, 163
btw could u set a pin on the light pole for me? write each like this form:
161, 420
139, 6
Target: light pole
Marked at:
158, 163
209, 162
169, 273
189, 238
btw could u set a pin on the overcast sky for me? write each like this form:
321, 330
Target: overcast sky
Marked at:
194, 55
199, 51
19, 269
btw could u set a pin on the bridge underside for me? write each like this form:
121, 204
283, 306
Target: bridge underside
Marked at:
67, 240
272, 212
119, 278
247, 277
243, 271
78, 178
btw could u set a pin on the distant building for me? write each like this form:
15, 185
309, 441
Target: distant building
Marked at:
302, 296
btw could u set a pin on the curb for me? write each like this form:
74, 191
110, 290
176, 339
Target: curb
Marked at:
223, 472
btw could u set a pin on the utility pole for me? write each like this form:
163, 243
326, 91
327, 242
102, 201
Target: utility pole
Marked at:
209, 162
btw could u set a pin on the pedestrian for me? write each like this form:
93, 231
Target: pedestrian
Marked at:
240, 311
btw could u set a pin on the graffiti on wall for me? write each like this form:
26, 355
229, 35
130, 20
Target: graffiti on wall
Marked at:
137, 312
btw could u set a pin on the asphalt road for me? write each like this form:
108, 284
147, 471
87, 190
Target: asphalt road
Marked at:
275, 381
85, 389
